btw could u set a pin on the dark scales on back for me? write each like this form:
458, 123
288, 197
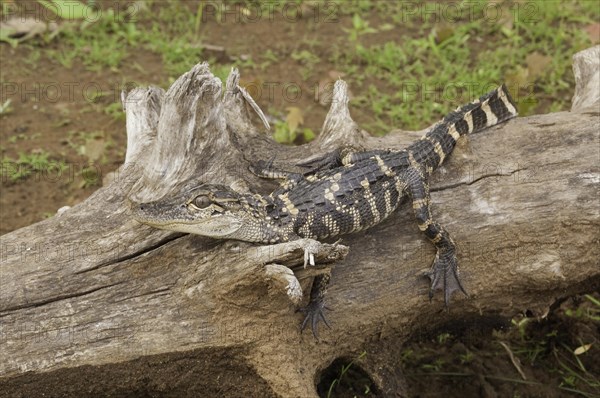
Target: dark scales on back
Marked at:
344, 192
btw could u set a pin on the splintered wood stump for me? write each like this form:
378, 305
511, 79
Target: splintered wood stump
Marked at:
94, 302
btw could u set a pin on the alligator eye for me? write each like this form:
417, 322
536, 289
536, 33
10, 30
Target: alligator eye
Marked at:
202, 202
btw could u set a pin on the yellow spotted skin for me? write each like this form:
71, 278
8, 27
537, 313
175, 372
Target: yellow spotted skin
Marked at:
351, 191
343, 192
361, 189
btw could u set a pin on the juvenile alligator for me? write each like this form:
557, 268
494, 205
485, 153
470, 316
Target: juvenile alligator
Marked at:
344, 192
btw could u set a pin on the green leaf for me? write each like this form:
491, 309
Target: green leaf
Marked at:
5, 33
282, 133
309, 135
68, 9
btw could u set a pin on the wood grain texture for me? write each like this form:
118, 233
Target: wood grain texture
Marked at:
93, 289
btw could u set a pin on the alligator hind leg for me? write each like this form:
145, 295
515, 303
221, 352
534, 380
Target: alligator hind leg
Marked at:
265, 169
339, 157
327, 161
444, 271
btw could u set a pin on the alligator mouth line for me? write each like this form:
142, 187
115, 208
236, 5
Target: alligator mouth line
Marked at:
146, 219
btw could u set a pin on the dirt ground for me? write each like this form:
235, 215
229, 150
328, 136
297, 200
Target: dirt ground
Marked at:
534, 359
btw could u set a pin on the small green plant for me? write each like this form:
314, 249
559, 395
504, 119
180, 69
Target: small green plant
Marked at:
573, 372
467, 357
115, 110
591, 311
6, 108
308, 59
359, 27
443, 337
407, 354
33, 58
91, 177
521, 325
63, 57
284, 135
286, 132
14, 138
270, 56
29, 163
98, 44
435, 366
305, 57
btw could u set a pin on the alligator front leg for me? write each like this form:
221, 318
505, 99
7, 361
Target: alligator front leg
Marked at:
315, 310
289, 254
444, 271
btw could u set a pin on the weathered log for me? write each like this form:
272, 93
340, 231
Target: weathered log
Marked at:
92, 296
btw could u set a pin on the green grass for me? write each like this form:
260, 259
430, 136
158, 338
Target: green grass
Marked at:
590, 311
6, 107
28, 164
434, 57
407, 63
115, 110
414, 72
91, 177
98, 45
554, 346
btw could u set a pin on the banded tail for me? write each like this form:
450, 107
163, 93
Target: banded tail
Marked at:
490, 109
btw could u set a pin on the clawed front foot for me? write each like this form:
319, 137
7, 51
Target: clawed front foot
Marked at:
310, 250
315, 311
444, 275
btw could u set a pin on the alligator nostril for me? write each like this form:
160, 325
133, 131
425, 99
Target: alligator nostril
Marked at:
141, 207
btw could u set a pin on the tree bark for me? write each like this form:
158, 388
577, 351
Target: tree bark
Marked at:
92, 296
